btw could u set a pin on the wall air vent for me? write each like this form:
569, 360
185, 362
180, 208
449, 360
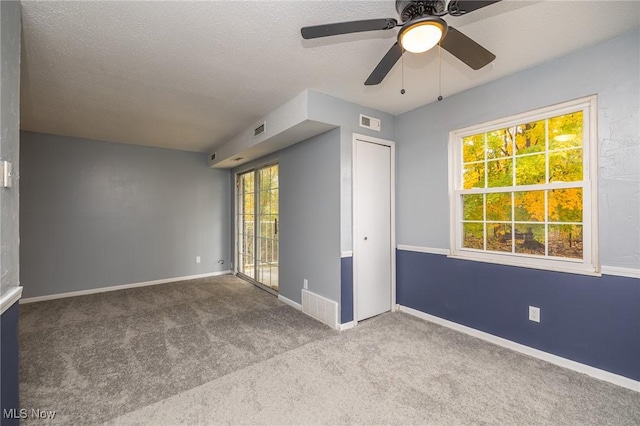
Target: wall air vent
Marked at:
260, 129
370, 122
320, 308
213, 156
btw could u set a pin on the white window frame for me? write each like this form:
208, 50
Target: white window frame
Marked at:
590, 264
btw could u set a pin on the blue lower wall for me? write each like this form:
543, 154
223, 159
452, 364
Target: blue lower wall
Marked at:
346, 289
9, 364
591, 320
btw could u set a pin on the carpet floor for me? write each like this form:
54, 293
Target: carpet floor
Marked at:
92, 358
220, 351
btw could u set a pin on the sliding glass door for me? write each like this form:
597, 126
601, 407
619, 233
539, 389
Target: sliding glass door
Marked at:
267, 233
245, 239
257, 226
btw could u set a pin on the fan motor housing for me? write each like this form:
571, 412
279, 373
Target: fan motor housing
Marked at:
410, 9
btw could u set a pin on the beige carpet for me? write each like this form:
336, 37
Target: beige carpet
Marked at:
396, 369
95, 357
279, 368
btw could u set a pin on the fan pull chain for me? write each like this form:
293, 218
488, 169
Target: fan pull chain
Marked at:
439, 72
402, 91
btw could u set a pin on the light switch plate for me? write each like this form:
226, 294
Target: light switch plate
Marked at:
370, 122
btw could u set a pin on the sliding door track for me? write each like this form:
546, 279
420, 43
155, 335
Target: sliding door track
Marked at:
256, 283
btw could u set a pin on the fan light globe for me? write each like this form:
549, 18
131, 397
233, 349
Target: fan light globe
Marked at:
421, 35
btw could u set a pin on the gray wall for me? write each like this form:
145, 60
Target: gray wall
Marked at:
97, 214
309, 215
609, 70
347, 115
315, 197
10, 26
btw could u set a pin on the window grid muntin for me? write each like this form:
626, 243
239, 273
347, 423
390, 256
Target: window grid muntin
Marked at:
586, 106
513, 222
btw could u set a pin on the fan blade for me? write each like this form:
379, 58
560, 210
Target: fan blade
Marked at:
465, 49
348, 27
462, 7
384, 66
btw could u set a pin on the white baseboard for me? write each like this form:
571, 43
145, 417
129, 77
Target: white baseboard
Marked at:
597, 373
289, 302
119, 287
346, 325
10, 298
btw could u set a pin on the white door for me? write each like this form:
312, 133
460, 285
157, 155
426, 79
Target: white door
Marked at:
372, 229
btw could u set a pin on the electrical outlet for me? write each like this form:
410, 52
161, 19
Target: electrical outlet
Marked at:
197, 259
305, 284
534, 314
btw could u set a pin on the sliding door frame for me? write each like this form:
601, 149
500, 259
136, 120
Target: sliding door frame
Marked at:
253, 169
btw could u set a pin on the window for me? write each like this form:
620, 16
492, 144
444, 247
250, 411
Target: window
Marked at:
523, 189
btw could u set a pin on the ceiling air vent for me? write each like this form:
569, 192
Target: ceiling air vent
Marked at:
213, 156
370, 122
260, 129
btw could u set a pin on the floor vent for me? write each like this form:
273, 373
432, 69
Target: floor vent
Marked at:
320, 308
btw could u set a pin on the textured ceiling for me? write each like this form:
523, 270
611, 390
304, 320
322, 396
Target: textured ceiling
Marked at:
190, 75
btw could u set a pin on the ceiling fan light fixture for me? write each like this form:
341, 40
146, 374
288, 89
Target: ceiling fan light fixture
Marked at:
422, 34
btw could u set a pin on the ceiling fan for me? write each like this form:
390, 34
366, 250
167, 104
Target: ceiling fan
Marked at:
421, 29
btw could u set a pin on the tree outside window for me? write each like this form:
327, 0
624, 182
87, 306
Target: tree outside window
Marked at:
520, 189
